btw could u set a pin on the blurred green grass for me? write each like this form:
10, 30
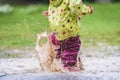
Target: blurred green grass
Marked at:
103, 25
19, 28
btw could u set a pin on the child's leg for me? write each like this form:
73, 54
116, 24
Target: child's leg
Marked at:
56, 42
67, 50
53, 39
70, 50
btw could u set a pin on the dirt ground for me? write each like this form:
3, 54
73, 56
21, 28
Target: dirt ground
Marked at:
100, 63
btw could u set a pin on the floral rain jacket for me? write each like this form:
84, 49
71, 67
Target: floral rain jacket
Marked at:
63, 17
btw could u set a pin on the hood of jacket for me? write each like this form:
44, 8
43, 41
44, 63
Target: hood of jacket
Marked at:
56, 2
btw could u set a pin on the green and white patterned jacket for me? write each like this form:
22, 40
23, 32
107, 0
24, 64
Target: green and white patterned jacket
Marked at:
63, 17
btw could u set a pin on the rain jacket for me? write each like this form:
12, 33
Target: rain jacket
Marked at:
63, 17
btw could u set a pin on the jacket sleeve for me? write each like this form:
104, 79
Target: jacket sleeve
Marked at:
78, 8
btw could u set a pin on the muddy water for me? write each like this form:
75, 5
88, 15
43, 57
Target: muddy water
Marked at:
100, 63
57, 76
28, 69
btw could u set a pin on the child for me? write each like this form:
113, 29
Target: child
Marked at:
63, 20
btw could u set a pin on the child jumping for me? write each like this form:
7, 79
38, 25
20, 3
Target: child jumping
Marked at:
63, 18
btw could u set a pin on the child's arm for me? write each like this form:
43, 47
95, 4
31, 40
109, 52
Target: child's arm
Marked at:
45, 13
80, 9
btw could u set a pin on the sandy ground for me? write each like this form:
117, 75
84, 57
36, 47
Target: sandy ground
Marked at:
92, 65
107, 68
100, 63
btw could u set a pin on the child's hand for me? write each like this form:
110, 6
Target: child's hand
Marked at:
91, 9
45, 13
